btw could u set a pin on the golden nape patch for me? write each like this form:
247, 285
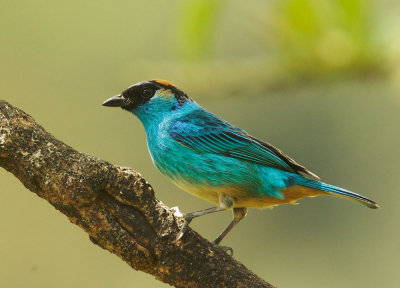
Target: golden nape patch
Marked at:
165, 82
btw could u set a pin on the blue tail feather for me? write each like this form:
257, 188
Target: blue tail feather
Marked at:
335, 191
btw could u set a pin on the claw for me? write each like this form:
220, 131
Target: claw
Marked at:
227, 250
185, 225
180, 235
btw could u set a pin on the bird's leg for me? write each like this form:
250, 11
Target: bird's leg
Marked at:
238, 214
190, 216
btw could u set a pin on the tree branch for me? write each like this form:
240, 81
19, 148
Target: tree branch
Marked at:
115, 206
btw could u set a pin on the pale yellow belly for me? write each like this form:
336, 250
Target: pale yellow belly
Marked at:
241, 199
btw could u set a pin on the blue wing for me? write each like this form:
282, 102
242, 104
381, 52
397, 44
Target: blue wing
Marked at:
205, 132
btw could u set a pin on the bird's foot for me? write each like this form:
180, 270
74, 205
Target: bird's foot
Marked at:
186, 221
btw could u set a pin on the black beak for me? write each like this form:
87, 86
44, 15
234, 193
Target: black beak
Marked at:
115, 101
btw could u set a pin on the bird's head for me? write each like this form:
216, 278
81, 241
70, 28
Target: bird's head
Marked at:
149, 97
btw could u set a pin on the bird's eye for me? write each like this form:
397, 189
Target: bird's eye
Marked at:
147, 93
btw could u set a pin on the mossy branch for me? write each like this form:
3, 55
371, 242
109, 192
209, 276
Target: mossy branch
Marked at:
115, 206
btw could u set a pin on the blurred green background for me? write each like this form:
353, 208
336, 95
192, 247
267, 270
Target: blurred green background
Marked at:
318, 79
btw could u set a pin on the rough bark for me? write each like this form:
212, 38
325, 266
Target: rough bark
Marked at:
115, 206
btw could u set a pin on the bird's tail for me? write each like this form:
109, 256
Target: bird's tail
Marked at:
335, 191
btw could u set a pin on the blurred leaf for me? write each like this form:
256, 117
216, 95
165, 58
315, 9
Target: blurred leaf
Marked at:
331, 35
198, 24
301, 16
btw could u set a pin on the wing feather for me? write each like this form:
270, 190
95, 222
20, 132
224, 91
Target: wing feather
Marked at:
205, 132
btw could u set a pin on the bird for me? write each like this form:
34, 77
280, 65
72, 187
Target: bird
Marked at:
212, 159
